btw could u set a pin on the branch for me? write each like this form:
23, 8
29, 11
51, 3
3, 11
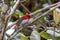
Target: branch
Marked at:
15, 33
37, 14
14, 7
25, 8
13, 24
47, 12
43, 14
44, 8
41, 9
12, 11
6, 19
36, 19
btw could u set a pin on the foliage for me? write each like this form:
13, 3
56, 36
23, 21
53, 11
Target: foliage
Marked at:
16, 15
18, 10
23, 37
48, 36
35, 35
56, 16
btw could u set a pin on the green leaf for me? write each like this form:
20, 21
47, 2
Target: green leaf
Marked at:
23, 37
17, 12
56, 16
47, 36
34, 35
16, 15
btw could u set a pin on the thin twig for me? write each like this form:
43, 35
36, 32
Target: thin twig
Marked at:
44, 8
4, 29
14, 8
41, 16
12, 25
6, 19
46, 12
25, 8
15, 33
